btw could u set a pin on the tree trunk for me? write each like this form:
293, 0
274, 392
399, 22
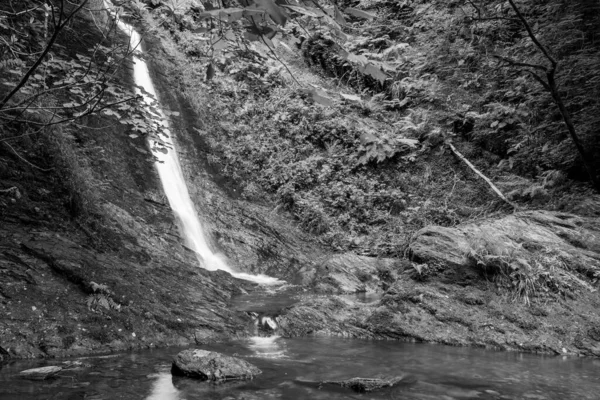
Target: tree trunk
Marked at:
587, 161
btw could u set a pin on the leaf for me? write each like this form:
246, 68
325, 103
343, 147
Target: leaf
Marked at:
219, 44
339, 17
354, 58
108, 111
251, 13
90, 301
277, 14
253, 37
319, 97
230, 35
408, 142
258, 31
375, 72
103, 302
311, 12
210, 72
360, 13
226, 14
350, 97
367, 137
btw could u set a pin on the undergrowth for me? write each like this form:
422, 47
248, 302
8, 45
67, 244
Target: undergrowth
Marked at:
527, 275
358, 161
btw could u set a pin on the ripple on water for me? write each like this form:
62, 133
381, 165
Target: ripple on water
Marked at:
267, 347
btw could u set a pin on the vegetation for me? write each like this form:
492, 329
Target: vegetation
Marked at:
52, 75
362, 160
101, 296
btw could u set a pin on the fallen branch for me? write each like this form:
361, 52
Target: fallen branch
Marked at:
482, 176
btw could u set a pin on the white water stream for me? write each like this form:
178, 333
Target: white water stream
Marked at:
172, 179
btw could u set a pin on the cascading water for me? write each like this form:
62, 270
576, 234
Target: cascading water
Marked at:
172, 179
266, 343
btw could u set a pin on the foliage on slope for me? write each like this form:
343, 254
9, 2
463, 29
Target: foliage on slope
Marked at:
359, 160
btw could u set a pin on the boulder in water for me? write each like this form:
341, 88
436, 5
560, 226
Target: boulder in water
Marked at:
213, 366
364, 385
40, 374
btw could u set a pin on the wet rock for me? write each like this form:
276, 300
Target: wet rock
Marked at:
205, 336
364, 385
40, 374
75, 365
348, 273
213, 366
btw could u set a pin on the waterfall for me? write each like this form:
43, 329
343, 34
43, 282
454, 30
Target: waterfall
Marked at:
172, 178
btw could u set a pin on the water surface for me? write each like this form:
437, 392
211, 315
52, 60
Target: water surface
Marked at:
292, 368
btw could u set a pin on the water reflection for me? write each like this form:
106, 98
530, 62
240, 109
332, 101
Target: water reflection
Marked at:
267, 347
163, 388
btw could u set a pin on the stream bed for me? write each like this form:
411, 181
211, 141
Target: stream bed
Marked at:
293, 368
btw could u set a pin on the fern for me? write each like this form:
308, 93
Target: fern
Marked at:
101, 297
11, 63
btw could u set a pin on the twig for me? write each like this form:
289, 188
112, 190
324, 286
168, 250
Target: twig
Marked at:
520, 64
482, 176
275, 54
21, 157
532, 36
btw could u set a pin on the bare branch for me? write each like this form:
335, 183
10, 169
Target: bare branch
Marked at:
520, 64
532, 36
58, 28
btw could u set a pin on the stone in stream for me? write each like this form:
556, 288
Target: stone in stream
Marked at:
213, 366
364, 385
40, 374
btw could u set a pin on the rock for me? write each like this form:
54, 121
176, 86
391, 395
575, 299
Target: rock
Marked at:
40, 374
213, 366
520, 236
364, 385
4, 356
75, 365
348, 273
205, 336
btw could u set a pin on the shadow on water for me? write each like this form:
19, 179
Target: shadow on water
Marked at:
295, 368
